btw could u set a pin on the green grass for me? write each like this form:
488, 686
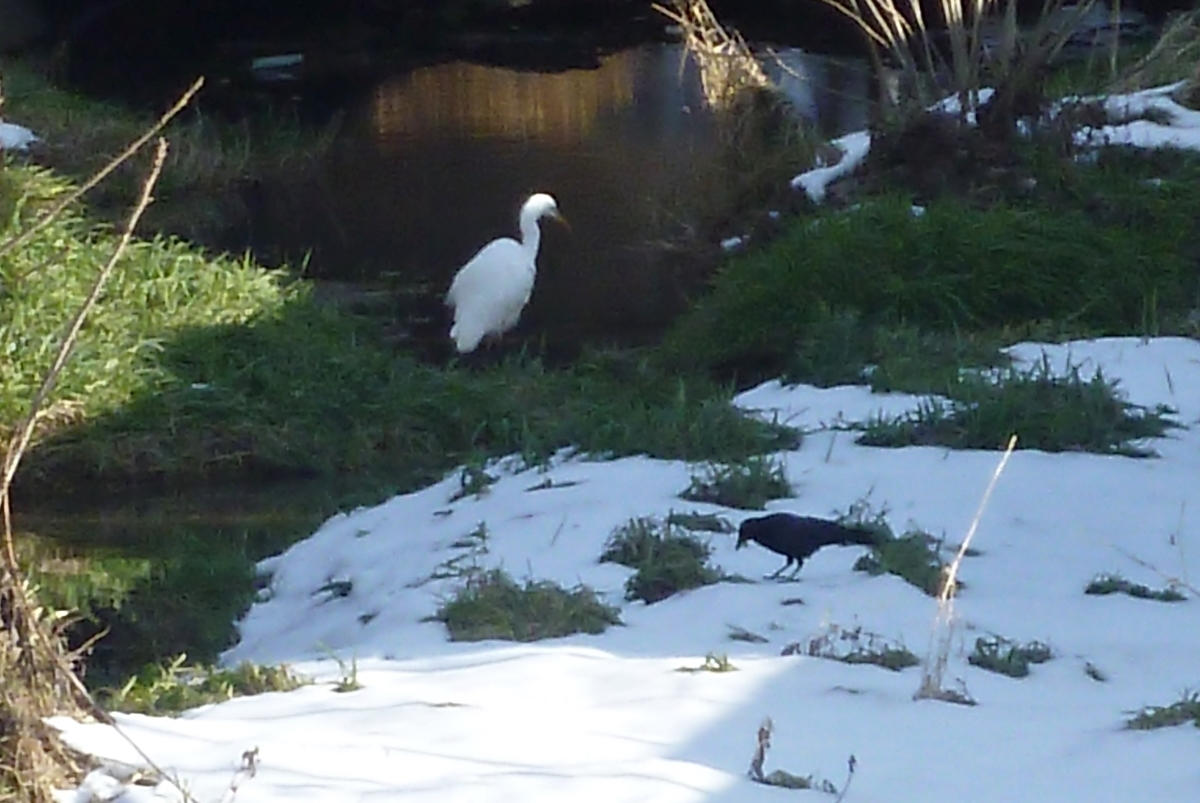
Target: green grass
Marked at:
1118, 258
196, 369
174, 686
1007, 657
843, 349
1048, 412
1109, 583
208, 162
914, 557
748, 484
491, 605
666, 561
1185, 709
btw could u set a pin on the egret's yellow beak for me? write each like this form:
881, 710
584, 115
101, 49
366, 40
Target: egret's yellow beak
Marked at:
561, 218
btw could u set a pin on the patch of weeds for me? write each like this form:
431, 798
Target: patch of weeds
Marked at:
789, 780
748, 485
712, 663
913, 557
1095, 673
175, 686
1116, 584
472, 481
491, 605
855, 646
840, 348
700, 522
959, 267
862, 516
665, 560
1185, 709
1006, 657
742, 634
1050, 412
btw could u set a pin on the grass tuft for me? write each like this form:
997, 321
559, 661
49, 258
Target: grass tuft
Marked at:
712, 663
491, 605
175, 686
748, 484
1007, 657
666, 561
856, 646
913, 557
1185, 709
1110, 583
1051, 413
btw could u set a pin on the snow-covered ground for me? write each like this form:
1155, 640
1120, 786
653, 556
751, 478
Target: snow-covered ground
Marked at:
610, 718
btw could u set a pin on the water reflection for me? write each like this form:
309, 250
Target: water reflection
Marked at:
437, 161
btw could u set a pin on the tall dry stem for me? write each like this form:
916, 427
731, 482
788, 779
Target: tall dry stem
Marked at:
938, 656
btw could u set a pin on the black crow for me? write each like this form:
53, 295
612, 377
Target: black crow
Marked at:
797, 537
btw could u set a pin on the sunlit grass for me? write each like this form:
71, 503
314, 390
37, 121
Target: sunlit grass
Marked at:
1052, 413
1094, 253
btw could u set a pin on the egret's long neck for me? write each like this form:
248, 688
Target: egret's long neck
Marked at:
531, 233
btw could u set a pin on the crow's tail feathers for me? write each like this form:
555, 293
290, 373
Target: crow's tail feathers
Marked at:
863, 536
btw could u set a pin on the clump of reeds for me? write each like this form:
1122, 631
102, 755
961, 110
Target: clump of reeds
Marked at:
727, 65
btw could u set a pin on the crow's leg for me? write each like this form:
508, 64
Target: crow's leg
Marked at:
796, 571
781, 570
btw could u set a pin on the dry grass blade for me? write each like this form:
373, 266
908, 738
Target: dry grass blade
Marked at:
933, 670
39, 676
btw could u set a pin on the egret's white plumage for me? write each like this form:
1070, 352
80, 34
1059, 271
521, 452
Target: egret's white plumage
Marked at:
15, 137
489, 292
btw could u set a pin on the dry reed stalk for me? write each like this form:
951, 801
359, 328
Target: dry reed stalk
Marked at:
727, 65
938, 656
38, 671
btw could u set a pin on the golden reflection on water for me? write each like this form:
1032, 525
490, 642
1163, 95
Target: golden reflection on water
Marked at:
463, 98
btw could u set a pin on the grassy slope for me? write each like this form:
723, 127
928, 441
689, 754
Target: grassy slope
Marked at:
1094, 250
196, 368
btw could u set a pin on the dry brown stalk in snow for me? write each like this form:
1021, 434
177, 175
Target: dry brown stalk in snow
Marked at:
934, 668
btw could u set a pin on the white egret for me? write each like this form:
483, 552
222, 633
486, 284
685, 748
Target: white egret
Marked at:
489, 292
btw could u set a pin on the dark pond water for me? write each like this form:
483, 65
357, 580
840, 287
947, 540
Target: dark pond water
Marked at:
433, 163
